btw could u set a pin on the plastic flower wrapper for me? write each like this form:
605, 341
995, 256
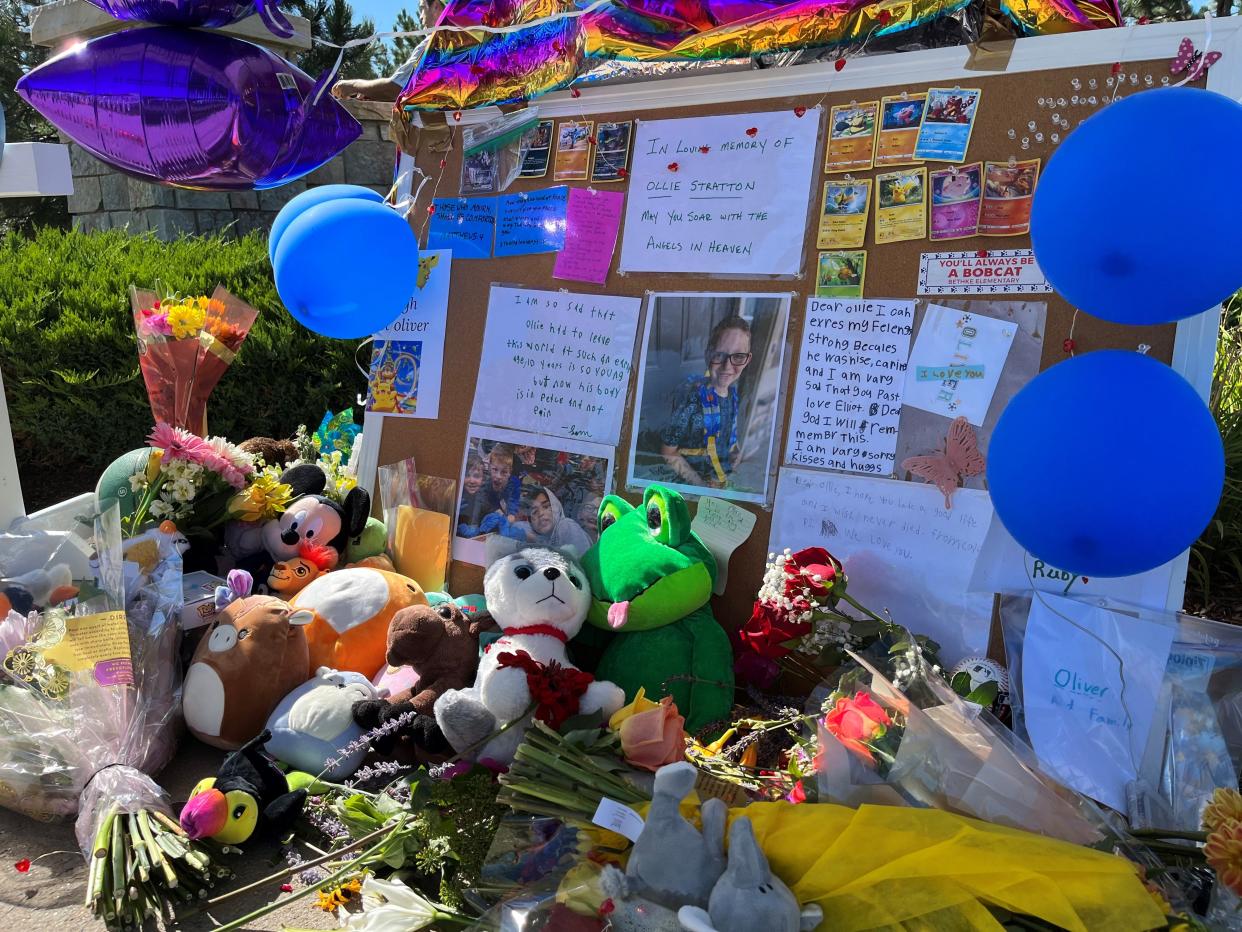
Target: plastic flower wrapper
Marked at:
950, 756
185, 345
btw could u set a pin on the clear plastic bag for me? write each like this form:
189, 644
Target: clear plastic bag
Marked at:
1195, 741
956, 757
92, 697
492, 152
418, 511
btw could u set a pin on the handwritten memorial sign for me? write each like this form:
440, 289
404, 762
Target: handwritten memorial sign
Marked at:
847, 395
531, 222
466, 225
720, 193
556, 363
904, 553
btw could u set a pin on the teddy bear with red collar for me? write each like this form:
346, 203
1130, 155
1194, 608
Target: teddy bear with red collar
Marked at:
539, 598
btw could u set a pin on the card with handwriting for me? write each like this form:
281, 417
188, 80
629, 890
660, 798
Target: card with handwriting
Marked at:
956, 196
843, 219
901, 205
900, 119
851, 137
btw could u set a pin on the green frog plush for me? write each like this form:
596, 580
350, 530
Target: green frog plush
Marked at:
652, 578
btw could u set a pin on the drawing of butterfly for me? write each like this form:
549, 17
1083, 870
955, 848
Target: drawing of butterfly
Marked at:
1188, 57
959, 458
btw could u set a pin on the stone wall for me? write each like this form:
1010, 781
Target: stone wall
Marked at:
105, 199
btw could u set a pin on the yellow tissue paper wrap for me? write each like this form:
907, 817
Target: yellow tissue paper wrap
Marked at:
882, 867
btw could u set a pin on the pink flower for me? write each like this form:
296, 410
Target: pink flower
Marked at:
652, 734
854, 722
797, 794
179, 444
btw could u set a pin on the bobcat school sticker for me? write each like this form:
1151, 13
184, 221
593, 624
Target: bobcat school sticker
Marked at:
988, 271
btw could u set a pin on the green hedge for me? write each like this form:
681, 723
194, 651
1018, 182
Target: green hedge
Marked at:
70, 363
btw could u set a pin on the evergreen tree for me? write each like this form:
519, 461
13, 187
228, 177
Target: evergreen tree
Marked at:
396, 52
333, 21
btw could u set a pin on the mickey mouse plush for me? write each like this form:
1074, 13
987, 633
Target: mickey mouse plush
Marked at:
310, 518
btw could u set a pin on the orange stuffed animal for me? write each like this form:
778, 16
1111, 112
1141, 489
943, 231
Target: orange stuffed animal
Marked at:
352, 608
289, 577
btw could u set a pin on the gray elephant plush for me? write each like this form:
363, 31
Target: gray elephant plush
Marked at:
673, 863
748, 895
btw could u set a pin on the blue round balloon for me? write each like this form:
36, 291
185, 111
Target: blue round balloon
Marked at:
308, 199
325, 296
1119, 242
1107, 464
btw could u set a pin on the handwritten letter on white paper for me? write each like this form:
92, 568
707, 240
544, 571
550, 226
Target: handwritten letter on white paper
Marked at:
847, 394
903, 552
556, 363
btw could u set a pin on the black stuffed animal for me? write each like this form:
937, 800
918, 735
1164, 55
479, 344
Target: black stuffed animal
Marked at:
248, 794
311, 518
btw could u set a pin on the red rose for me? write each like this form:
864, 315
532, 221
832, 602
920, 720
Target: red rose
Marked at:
768, 629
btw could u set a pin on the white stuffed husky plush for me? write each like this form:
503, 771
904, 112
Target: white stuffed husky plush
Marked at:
539, 598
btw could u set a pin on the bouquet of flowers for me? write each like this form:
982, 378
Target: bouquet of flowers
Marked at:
943, 753
185, 345
800, 624
90, 708
196, 482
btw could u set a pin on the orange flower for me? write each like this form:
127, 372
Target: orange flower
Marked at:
1226, 806
1224, 854
856, 721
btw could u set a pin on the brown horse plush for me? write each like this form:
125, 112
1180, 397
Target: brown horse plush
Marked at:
254, 654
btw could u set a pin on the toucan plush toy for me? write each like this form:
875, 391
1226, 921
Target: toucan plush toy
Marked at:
248, 794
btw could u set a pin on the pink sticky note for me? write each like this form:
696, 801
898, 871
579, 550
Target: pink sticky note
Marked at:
591, 224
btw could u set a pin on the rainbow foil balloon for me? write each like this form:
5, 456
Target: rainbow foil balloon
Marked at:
211, 13
190, 109
462, 70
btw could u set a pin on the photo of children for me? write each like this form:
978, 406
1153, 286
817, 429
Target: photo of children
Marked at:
392, 385
709, 393
515, 493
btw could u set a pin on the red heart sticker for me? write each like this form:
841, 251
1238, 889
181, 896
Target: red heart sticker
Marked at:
705, 149
673, 166
592, 140
753, 131
799, 111
981, 254
444, 163
885, 17
575, 93
457, 116
1116, 69
622, 173
1068, 345
431, 209
839, 64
